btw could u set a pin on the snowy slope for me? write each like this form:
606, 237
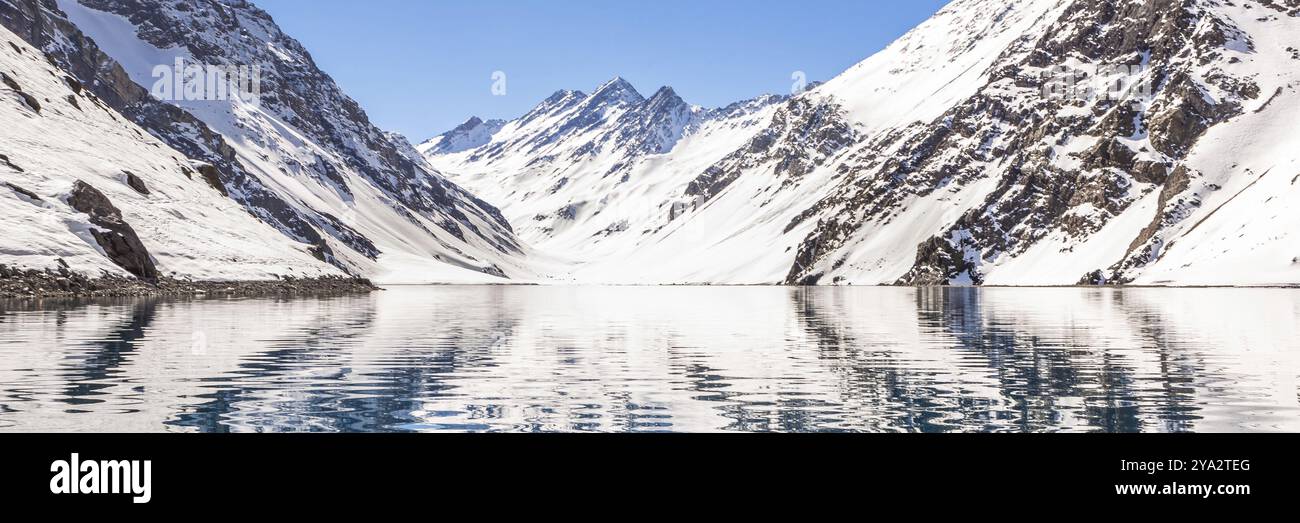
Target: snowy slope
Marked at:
1087, 191
189, 227
382, 210
939, 63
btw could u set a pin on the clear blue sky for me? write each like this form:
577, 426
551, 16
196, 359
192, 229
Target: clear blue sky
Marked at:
420, 67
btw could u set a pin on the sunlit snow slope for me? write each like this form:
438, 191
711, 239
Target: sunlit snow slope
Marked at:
69, 135
382, 210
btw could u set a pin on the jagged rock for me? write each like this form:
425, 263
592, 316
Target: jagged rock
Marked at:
10, 82
23, 191
1093, 278
803, 135
119, 241
1013, 136
938, 262
1141, 251
5, 160
136, 183
1184, 114
27, 98
212, 175
73, 84
1111, 153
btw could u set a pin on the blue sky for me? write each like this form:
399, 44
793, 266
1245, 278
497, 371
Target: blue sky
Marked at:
421, 67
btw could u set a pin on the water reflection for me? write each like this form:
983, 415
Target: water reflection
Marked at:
660, 359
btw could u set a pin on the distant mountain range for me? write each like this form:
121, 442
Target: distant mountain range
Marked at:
964, 153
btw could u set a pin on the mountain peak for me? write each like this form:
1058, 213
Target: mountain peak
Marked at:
665, 99
475, 132
617, 81
665, 92
618, 88
562, 94
469, 124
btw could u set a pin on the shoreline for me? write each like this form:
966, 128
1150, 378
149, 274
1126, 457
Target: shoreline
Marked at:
62, 283
59, 283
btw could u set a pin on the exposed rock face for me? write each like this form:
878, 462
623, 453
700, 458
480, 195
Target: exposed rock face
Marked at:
118, 239
136, 184
802, 135
7, 163
656, 125
26, 98
30, 195
212, 175
937, 263
1010, 132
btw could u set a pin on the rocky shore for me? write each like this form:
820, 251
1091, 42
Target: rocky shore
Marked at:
63, 283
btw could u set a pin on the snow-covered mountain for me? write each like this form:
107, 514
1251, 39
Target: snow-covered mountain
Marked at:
81, 183
302, 157
949, 157
585, 178
473, 133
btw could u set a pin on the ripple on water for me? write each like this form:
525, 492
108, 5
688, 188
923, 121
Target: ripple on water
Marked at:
660, 359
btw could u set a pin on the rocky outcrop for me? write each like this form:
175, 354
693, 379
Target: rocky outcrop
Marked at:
212, 175
26, 193
28, 99
803, 135
938, 262
136, 184
655, 126
4, 160
1173, 208
116, 237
